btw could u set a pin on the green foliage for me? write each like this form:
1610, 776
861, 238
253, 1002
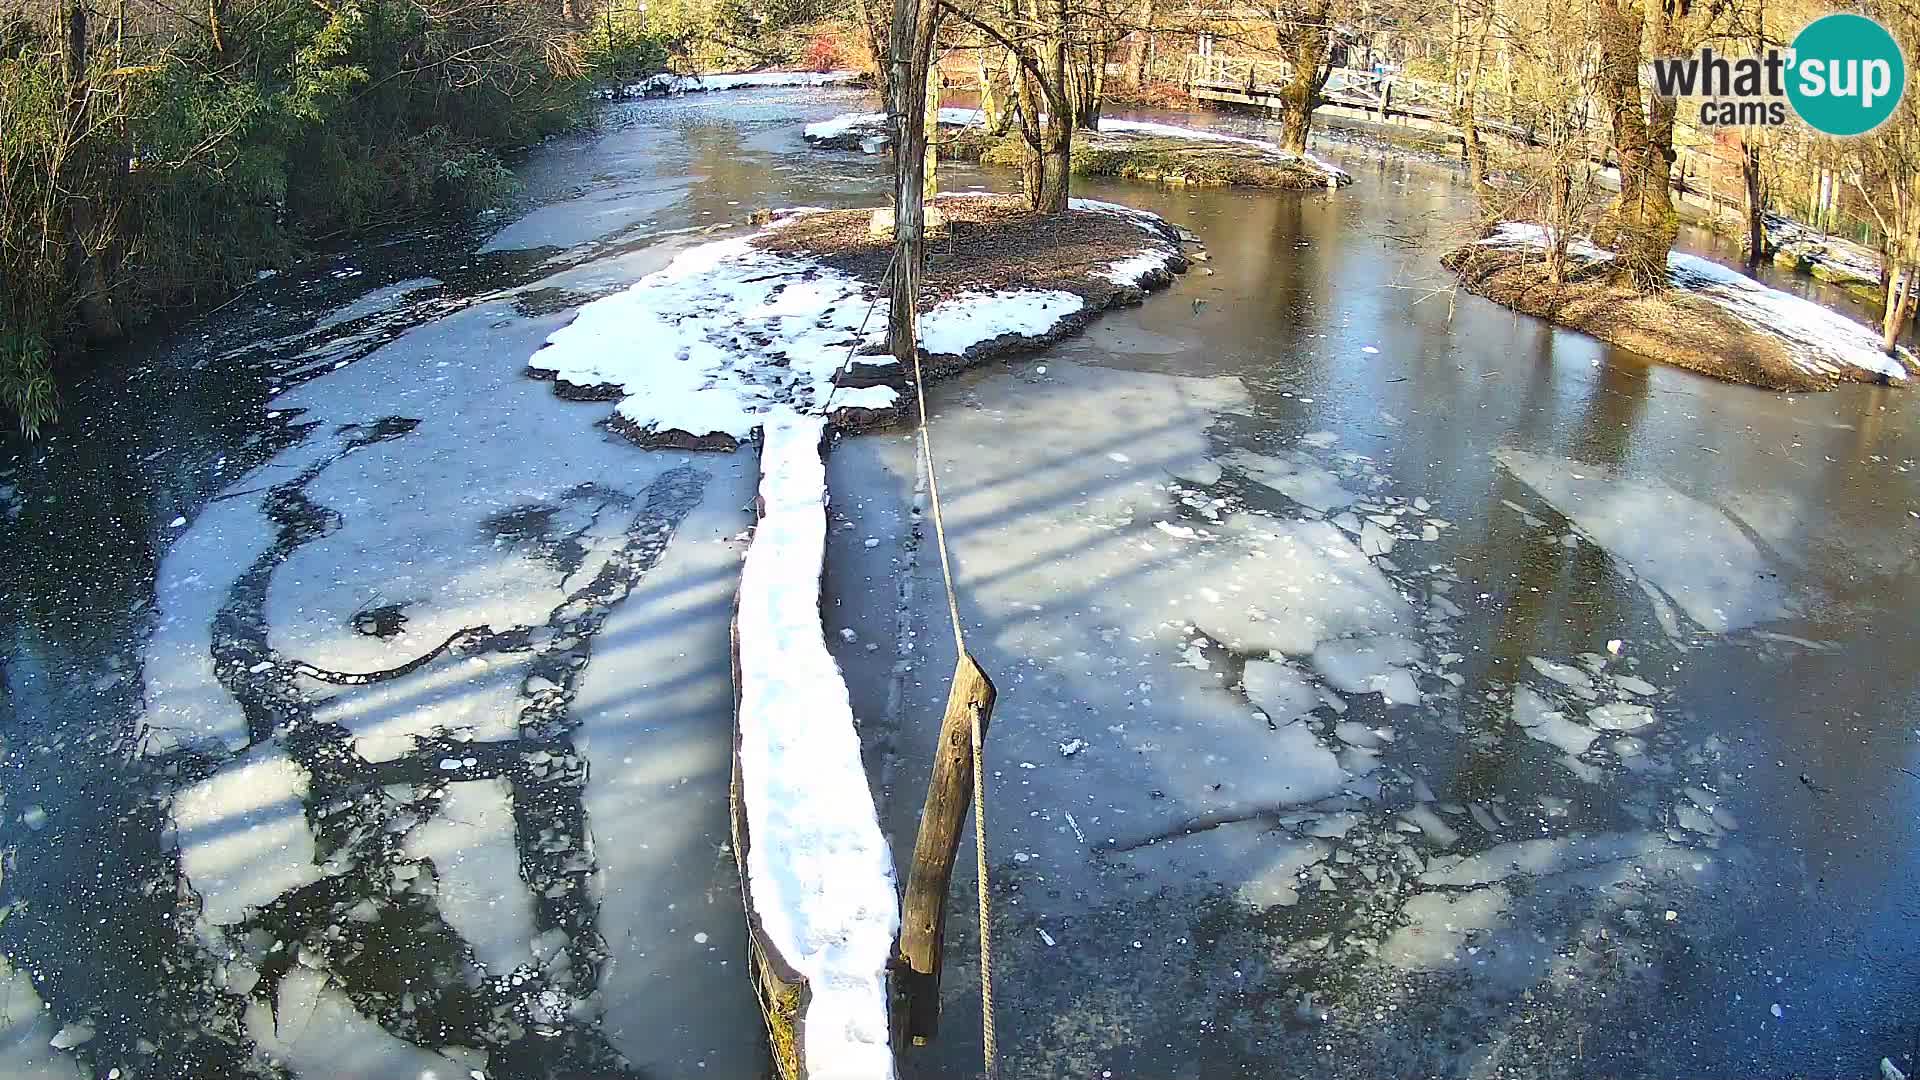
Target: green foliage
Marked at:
173, 176
26, 379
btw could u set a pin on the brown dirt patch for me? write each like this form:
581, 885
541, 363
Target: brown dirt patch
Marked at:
991, 243
1669, 327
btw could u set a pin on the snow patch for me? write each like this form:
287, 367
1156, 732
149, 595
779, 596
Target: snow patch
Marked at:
818, 868
684, 344
1821, 341
954, 326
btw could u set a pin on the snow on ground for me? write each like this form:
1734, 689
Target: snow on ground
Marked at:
1834, 258
684, 348
669, 83
953, 326
1717, 576
819, 870
728, 332
26, 1032
1825, 341
480, 894
874, 125
243, 834
1821, 341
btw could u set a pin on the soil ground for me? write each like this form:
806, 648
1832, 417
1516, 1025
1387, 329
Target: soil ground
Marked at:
1669, 327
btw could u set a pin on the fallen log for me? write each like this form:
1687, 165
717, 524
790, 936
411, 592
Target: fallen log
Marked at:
816, 874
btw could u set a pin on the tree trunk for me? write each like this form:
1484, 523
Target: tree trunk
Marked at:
874, 35
1032, 137
1756, 202
910, 49
930, 124
1089, 87
992, 105
1143, 49
1642, 226
1306, 37
1899, 285
1470, 145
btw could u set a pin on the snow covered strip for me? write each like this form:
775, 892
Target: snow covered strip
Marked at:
669, 83
816, 871
1822, 341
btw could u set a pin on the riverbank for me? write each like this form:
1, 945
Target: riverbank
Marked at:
1711, 320
1145, 151
792, 316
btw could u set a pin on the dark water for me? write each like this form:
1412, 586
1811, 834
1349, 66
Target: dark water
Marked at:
1332, 313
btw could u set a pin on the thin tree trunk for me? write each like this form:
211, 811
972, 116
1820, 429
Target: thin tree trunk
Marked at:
1899, 284
1756, 201
992, 105
1470, 145
931, 126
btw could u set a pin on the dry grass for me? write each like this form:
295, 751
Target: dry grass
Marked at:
1670, 327
1149, 159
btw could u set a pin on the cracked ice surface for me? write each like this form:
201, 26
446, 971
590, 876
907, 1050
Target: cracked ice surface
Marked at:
1716, 575
655, 711
470, 841
1106, 603
243, 834
315, 1030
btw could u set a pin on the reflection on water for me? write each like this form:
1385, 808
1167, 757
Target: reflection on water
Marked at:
1657, 626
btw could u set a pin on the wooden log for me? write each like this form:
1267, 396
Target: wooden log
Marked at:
781, 990
923, 917
806, 837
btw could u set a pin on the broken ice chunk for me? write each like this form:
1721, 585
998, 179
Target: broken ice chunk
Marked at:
1620, 716
1277, 689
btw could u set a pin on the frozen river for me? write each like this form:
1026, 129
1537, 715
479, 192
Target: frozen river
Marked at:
1389, 684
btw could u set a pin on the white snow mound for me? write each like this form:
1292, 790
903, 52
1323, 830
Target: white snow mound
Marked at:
818, 867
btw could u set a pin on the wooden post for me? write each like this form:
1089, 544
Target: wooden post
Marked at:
923, 914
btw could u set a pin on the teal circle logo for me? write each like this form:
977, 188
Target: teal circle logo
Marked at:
1846, 75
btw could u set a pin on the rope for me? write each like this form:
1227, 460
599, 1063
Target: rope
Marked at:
980, 868
988, 1042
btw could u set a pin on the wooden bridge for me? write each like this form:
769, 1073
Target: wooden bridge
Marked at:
1364, 95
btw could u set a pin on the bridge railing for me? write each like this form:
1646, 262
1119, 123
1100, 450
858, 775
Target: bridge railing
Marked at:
1346, 86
